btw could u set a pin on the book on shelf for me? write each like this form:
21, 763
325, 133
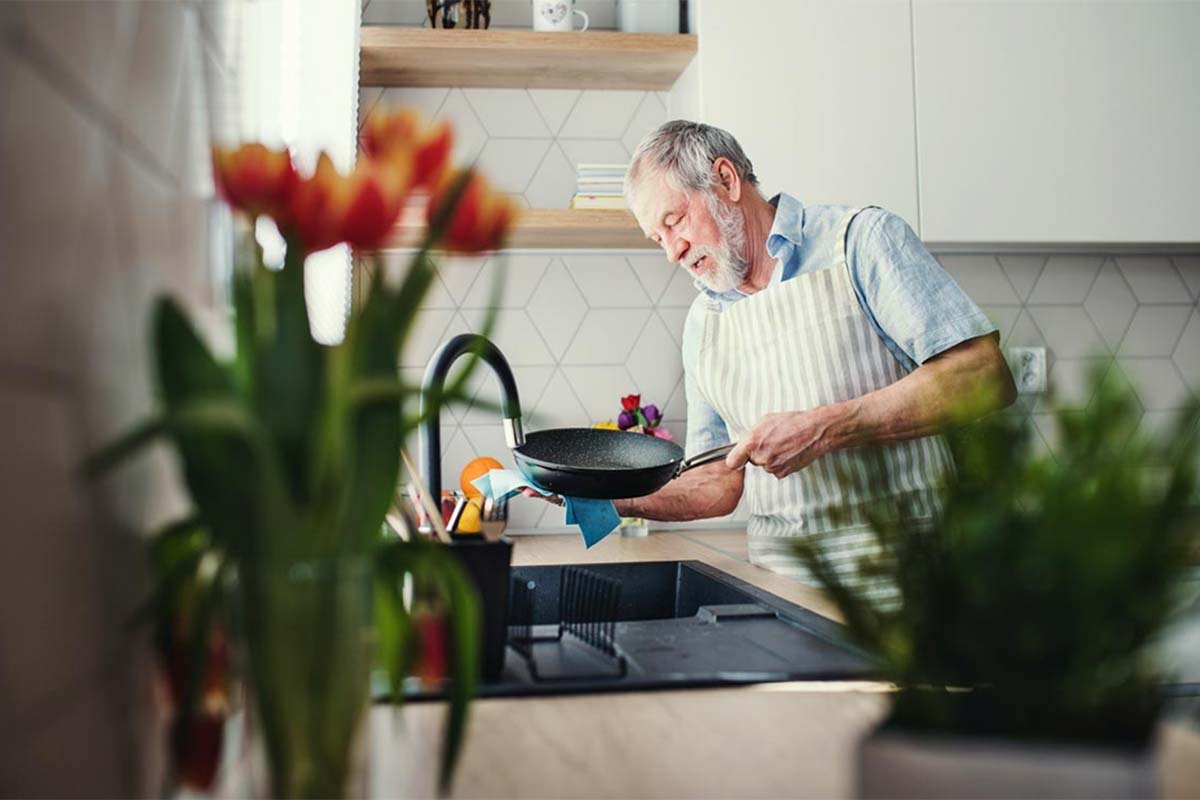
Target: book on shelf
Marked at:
597, 201
599, 187
602, 170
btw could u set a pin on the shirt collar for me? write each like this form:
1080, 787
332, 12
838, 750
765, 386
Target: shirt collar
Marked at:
787, 226
786, 232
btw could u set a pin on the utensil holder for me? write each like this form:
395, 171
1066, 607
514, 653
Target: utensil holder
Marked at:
488, 565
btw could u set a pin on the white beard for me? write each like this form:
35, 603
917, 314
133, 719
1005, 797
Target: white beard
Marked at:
727, 264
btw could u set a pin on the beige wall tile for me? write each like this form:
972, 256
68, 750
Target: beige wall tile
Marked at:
167, 236
55, 163
96, 223
62, 611
89, 40
154, 78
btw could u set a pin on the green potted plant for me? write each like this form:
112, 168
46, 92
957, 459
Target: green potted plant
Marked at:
1017, 624
282, 581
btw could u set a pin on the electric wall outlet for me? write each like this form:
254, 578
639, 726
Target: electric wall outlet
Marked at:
1028, 365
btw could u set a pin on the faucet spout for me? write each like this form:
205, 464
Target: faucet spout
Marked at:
433, 386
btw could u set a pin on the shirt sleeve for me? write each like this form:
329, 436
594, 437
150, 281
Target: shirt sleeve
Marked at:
914, 305
705, 427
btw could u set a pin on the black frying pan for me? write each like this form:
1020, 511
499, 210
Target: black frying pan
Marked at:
604, 464
575, 462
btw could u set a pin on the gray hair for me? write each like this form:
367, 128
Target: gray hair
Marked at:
684, 152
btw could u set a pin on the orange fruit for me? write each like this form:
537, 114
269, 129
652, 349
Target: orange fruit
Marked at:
474, 469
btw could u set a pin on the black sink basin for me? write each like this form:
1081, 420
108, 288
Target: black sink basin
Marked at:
671, 624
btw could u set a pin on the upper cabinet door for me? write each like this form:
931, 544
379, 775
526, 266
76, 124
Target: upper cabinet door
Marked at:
1058, 121
818, 92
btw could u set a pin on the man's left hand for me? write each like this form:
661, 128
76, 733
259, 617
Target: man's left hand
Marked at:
783, 443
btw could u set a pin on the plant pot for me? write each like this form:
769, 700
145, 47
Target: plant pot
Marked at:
896, 763
487, 564
634, 526
305, 634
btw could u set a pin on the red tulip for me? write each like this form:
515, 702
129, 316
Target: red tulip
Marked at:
196, 739
254, 178
197, 767
630, 402
360, 208
480, 221
378, 191
385, 133
432, 155
432, 662
318, 207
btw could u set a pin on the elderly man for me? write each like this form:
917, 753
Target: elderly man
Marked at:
817, 329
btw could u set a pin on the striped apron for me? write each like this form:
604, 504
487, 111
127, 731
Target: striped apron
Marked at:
793, 346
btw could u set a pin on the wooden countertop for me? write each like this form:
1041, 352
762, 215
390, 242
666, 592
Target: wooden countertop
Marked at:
773, 740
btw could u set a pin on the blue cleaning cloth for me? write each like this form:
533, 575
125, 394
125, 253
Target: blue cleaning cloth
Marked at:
595, 518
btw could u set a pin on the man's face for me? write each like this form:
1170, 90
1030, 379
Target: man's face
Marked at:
711, 248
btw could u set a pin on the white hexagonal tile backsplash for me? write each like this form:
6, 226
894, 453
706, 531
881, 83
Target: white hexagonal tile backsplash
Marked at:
584, 328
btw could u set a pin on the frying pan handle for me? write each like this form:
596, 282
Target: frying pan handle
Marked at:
707, 457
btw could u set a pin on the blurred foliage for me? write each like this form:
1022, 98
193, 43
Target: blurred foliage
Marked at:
1027, 606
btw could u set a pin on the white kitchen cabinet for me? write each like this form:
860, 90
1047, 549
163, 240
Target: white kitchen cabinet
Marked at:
819, 93
1058, 121
1181, 50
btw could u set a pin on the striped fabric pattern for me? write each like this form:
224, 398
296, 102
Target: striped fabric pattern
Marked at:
794, 346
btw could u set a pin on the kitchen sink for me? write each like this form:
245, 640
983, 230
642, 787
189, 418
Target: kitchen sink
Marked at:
659, 625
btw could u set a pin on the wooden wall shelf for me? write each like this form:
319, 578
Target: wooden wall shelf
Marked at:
398, 56
550, 229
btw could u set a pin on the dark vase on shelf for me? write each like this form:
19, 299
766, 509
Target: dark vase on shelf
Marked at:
450, 13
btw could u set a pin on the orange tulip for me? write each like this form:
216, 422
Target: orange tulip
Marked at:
359, 208
481, 219
254, 178
386, 133
384, 130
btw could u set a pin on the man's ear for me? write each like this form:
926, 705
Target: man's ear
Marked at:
727, 179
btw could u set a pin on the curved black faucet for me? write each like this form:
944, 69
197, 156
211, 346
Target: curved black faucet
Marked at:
434, 383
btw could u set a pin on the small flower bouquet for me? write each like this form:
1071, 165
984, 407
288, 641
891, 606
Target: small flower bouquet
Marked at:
637, 418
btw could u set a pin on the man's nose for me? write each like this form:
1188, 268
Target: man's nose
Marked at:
676, 247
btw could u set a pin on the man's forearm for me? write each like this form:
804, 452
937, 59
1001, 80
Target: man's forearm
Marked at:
964, 383
712, 490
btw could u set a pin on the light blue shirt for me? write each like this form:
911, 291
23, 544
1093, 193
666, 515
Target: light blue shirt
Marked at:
912, 303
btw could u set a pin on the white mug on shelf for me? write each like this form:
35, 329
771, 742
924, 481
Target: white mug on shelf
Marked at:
555, 15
